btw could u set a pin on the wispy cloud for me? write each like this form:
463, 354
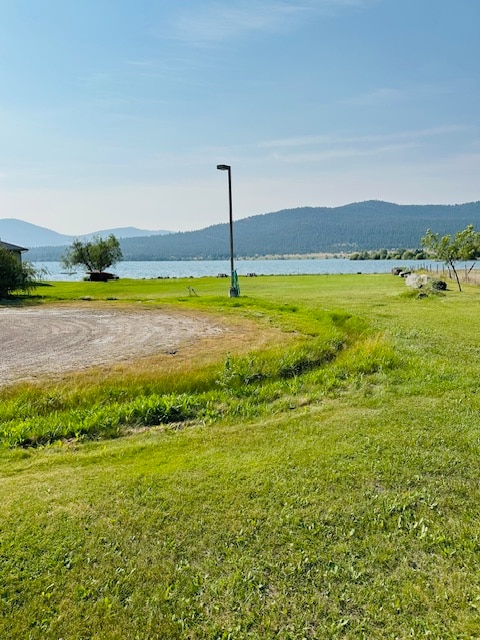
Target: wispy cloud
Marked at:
345, 154
394, 95
320, 148
219, 22
335, 140
216, 22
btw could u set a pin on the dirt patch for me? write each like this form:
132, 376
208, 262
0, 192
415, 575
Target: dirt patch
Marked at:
51, 340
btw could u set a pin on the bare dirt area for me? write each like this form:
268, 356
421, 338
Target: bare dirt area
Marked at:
52, 340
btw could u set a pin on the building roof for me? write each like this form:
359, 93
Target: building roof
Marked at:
11, 247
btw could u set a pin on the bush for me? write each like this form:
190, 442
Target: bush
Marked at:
15, 275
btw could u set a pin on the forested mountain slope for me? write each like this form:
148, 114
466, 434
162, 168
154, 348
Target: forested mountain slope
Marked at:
353, 227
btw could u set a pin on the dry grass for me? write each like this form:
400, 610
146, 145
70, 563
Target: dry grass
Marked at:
238, 335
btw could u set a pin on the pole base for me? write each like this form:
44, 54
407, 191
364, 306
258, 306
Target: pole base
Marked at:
234, 292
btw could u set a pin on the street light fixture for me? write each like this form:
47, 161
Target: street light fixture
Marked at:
234, 287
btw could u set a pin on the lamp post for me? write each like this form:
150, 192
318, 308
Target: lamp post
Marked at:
234, 288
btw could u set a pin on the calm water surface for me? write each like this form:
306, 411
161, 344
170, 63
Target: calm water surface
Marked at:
199, 268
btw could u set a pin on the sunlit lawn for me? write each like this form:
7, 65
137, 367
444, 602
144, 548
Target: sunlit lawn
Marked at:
330, 497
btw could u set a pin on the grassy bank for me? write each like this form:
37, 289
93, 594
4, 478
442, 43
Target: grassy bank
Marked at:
321, 484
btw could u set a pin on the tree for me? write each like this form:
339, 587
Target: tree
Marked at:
96, 254
465, 246
16, 275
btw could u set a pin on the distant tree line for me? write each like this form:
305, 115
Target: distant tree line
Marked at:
391, 254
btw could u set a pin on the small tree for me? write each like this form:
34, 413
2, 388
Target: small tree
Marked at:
465, 246
16, 275
96, 254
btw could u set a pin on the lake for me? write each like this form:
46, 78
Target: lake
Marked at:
199, 268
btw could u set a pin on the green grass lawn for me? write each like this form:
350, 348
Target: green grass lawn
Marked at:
323, 485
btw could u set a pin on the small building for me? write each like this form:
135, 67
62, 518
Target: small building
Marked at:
13, 248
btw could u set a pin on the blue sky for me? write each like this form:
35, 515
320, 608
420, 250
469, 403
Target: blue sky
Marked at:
116, 112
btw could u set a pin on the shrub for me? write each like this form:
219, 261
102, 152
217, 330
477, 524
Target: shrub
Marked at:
15, 275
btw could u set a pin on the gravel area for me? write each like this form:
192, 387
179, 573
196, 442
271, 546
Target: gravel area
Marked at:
50, 340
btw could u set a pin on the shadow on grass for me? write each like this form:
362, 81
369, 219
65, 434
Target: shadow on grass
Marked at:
24, 300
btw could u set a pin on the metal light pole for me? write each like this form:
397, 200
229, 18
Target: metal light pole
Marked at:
234, 288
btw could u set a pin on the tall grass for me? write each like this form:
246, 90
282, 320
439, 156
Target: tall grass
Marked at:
37, 415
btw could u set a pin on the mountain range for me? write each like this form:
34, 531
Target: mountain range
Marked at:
353, 227
31, 235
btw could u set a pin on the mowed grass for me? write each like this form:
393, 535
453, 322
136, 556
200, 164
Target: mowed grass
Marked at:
323, 484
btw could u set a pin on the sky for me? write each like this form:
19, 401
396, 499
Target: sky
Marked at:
116, 113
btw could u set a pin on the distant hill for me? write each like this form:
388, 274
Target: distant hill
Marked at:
31, 235
354, 227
